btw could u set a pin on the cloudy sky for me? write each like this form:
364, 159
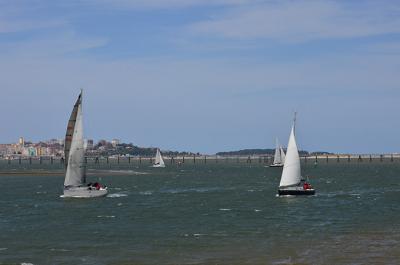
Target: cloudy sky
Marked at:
204, 75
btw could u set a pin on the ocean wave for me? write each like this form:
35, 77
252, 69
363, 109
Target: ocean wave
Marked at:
286, 196
106, 216
147, 192
59, 249
188, 190
116, 195
225, 209
132, 172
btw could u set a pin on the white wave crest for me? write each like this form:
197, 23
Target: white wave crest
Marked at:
116, 195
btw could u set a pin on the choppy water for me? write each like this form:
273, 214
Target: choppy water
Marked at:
206, 214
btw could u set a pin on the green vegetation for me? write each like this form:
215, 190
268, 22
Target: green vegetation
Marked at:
248, 152
133, 150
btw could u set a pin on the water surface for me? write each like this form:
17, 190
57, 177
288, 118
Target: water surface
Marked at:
214, 213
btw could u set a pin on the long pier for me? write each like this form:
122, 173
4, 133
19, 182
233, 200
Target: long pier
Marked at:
196, 159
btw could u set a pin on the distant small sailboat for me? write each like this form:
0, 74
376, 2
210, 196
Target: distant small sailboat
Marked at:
159, 162
291, 181
279, 157
75, 176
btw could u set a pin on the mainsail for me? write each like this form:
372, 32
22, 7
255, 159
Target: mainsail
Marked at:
73, 148
291, 174
159, 160
277, 157
283, 156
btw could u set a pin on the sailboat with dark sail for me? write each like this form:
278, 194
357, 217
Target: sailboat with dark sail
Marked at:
75, 175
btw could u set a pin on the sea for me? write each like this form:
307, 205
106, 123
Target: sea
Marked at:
203, 213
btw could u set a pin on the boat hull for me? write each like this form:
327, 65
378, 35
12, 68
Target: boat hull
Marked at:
276, 165
84, 192
295, 192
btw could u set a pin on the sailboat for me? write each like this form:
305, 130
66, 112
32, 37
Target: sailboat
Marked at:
279, 157
291, 181
75, 175
283, 156
159, 162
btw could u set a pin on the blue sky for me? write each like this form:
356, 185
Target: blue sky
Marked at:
204, 75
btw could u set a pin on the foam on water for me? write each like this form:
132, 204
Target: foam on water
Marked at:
60, 250
148, 192
106, 216
189, 190
116, 195
130, 172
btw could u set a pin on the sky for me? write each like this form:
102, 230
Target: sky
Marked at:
204, 75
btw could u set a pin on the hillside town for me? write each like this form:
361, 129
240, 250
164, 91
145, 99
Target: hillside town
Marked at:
53, 148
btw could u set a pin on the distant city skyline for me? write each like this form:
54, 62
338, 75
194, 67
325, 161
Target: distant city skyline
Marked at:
204, 76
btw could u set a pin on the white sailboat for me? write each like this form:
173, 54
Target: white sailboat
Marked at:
291, 181
75, 176
283, 156
159, 161
279, 157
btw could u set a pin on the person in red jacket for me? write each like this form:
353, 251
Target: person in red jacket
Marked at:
306, 186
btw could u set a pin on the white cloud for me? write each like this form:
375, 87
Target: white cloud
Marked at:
297, 21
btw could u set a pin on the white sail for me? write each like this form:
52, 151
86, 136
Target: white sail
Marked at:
283, 156
74, 150
277, 156
291, 174
159, 160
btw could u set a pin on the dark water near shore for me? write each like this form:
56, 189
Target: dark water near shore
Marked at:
206, 214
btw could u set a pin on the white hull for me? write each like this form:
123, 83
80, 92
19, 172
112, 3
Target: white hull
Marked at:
158, 166
83, 192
